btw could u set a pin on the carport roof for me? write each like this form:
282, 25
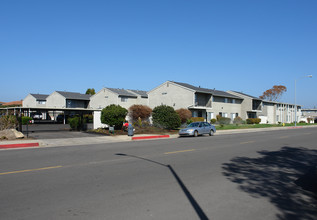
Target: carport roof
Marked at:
74, 95
208, 91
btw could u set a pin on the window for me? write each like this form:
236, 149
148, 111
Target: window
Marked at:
124, 99
233, 115
195, 114
41, 102
226, 100
233, 101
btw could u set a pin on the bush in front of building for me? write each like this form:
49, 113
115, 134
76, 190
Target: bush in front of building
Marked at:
140, 112
26, 120
184, 114
224, 121
213, 121
166, 117
8, 122
237, 120
197, 119
75, 123
253, 120
113, 115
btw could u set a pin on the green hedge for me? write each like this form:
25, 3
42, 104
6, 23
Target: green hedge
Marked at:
224, 121
166, 117
197, 119
26, 120
75, 123
253, 120
113, 115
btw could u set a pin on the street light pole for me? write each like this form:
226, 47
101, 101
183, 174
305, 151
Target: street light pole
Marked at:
295, 105
308, 76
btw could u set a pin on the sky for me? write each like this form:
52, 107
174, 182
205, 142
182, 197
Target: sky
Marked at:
242, 45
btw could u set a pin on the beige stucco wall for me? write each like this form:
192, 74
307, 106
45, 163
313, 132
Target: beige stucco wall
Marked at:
246, 104
269, 110
103, 98
171, 94
106, 97
229, 108
55, 100
29, 101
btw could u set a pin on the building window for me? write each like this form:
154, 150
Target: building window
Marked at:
124, 99
226, 100
41, 102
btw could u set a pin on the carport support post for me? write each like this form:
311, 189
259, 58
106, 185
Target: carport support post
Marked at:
27, 128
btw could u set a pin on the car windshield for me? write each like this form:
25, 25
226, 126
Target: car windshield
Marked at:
195, 124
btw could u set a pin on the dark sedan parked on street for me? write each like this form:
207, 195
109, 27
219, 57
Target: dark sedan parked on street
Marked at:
198, 128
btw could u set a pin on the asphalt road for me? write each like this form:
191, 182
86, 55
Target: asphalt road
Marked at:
238, 176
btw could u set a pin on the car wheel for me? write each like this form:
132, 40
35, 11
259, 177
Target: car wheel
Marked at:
195, 133
211, 133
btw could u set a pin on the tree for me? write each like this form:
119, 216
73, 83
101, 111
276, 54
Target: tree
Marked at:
184, 114
166, 117
90, 91
113, 115
273, 94
140, 111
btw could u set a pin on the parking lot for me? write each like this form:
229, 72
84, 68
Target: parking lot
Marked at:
53, 131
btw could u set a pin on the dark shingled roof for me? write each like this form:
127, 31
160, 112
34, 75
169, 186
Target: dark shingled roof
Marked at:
143, 94
39, 96
75, 95
209, 91
253, 97
123, 92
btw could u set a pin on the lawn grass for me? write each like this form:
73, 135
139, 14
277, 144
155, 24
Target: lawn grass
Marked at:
155, 130
246, 126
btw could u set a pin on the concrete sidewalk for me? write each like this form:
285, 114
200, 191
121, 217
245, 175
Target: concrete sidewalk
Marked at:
123, 138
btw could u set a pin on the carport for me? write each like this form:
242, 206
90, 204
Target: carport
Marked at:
49, 119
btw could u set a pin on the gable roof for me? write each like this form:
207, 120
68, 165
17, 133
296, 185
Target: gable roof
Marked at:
143, 94
123, 92
12, 103
39, 96
208, 91
74, 95
250, 96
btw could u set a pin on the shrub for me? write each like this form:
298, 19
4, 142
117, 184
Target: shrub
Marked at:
88, 118
166, 117
189, 121
184, 114
75, 123
113, 115
8, 122
253, 120
224, 121
213, 121
140, 111
237, 120
196, 119
302, 122
26, 120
